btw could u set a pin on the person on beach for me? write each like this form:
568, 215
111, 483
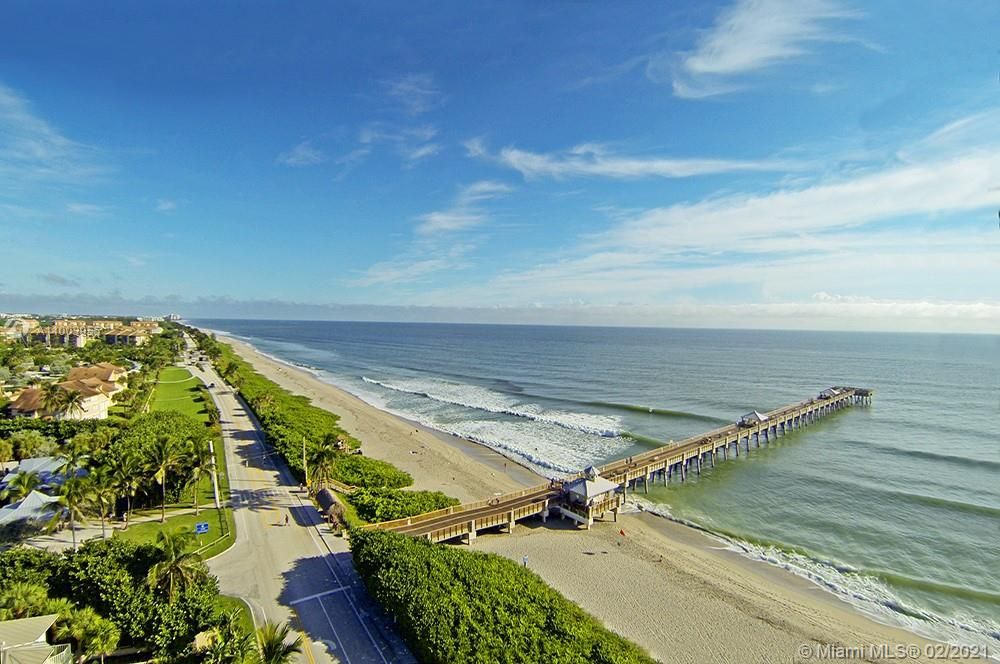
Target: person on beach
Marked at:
286, 519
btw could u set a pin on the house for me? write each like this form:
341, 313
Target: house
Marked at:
753, 418
47, 468
126, 336
23, 641
103, 371
35, 508
94, 404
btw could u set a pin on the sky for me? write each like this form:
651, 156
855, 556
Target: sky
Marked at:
818, 164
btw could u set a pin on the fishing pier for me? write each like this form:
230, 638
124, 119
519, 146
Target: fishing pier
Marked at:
597, 491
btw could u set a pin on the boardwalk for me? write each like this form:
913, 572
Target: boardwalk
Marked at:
670, 462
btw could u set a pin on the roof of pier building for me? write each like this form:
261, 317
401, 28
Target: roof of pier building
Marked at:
590, 486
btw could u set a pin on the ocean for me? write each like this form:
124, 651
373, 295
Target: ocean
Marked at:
894, 508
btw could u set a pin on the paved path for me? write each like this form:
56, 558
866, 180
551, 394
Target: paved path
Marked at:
298, 572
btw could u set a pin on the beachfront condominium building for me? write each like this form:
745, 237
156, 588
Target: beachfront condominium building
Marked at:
126, 336
16, 329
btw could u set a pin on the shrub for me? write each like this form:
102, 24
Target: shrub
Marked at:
383, 504
453, 605
357, 470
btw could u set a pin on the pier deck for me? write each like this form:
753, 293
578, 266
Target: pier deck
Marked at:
670, 461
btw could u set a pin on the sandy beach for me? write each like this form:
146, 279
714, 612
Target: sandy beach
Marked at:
670, 588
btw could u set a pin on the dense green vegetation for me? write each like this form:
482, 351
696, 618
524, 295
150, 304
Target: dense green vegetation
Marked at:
453, 605
291, 421
381, 504
151, 597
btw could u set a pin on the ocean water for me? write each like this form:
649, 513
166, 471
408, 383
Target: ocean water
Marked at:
894, 507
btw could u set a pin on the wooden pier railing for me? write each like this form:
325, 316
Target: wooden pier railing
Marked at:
666, 462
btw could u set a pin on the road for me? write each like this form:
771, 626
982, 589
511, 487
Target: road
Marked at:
296, 572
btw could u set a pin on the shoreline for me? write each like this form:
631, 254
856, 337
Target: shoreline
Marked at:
768, 612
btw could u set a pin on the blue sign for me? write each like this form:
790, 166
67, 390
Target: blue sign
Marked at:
201, 527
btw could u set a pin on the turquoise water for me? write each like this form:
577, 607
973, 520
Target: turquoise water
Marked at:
893, 507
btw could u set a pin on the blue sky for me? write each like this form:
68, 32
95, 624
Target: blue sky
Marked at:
759, 163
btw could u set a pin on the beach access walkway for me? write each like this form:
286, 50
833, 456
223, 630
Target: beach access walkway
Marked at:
286, 564
669, 462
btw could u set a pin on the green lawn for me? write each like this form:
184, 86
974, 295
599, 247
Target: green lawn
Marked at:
176, 389
226, 603
207, 545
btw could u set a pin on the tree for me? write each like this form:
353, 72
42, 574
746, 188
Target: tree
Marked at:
162, 456
52, 398
72, 403
323, 464
202, 464
73, 457
29, 443
22, 600
231, 643
6, 450
71, 503
20, 486
274, 648
92, 634
177, 568
103, 494
125, 477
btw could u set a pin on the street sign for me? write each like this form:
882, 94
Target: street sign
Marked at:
201, 527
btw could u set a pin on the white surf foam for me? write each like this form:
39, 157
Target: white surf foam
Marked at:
484, 399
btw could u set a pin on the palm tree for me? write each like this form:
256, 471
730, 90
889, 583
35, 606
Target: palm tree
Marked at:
202, 464
52, 398
71, 503
72, 402
232, 644
177, 568
103, 495
125, 477
93, 634
163, 457
23, 600
20, 486
273, 648
323, 463
74, 456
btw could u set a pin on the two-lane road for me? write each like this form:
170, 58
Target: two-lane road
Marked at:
296, 572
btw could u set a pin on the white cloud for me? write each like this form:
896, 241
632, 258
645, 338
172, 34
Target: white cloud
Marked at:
86, 209
303, 154
166, 205
749, 37
465, 211
596, 160
32, 150
411, 143
910, 221
417, 93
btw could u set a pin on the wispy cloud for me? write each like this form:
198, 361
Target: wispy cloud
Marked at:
166, 205
416, 93
749, 37
411, 143
86, 209
442, 238
32, 150
465, 211
913, 215
303, 154
54, 279
596, 160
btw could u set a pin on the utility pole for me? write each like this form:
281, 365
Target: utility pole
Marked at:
305, 467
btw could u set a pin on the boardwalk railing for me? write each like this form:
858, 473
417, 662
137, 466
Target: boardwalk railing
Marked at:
461, 520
